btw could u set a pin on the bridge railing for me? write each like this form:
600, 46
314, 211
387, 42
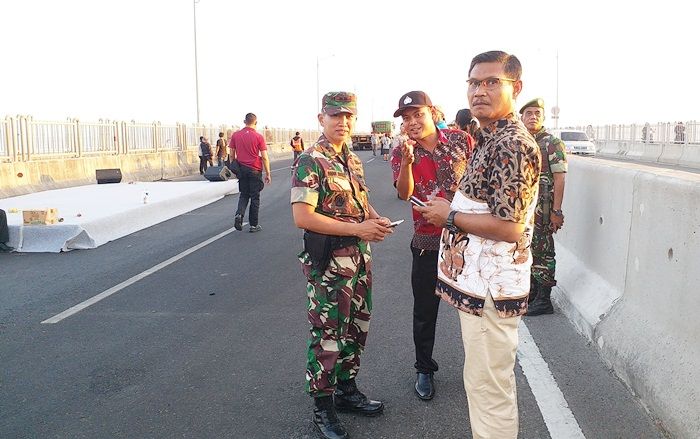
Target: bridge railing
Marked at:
22, 138
667, 143
687, 132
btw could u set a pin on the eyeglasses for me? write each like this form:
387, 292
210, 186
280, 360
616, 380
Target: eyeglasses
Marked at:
488, 83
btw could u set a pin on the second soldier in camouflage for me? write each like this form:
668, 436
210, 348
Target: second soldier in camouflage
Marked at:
549, 216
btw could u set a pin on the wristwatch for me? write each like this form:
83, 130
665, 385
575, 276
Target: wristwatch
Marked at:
558, 212
450, 223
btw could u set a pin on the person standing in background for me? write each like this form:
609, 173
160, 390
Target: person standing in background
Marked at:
204, 154
297, 144
4, 233
249, 149
221, 150
386, 144
549, 217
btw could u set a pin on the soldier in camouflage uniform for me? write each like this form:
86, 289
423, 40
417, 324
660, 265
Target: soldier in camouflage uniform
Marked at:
548, 217
329, 200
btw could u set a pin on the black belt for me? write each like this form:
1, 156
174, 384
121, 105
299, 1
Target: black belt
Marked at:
338, 242
320, 247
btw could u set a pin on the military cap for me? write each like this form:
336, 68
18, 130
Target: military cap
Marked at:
413, 99
537, 102
336, 102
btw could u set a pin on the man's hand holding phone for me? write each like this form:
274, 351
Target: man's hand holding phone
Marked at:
416, 202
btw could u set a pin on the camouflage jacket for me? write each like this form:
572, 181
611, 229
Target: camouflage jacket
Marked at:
553, 154
333, 183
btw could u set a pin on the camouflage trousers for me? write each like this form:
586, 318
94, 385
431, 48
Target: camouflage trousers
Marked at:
339, 304
543, 262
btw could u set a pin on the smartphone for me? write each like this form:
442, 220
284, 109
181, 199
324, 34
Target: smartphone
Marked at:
395, 223
416, 201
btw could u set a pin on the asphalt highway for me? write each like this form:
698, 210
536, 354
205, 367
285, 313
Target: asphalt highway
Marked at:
212, 345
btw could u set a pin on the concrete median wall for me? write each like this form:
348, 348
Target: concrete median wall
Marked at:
18, 178
628, 272
666, 152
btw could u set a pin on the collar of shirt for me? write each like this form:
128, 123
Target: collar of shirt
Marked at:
487, 132
329, 151
442, 140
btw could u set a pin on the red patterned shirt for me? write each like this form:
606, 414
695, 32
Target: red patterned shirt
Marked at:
435, 173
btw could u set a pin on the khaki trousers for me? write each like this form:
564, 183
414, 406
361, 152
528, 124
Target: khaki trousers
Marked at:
490, 344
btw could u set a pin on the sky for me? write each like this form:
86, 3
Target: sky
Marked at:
618, 61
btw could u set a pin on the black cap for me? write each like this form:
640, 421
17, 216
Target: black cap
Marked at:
413, 99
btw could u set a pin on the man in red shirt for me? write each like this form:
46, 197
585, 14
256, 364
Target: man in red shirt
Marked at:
249, 148
428, 165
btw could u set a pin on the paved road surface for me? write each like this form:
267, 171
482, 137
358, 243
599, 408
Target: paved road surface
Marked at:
212, 345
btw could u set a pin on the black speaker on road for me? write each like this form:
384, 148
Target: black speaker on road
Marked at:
218, 173
108, 176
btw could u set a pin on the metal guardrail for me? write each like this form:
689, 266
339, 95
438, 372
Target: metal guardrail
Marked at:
662, 132
23, 139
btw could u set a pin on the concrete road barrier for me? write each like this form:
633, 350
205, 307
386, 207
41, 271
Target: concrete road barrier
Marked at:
18, 178
690, 156
628, 273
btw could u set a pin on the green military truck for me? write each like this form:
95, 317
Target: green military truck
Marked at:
361, 141
383, 126
364, 140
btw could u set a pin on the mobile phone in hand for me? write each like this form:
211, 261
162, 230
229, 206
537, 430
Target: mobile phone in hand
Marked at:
395, 223
415, 201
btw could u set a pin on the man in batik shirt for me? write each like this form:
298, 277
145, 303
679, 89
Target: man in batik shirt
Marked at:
484, 260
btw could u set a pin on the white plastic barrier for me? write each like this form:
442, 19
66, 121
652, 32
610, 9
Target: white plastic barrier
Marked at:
627, 267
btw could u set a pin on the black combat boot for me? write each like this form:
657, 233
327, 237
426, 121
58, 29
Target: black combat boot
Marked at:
542, 304
534, 290
326, 420
5, 248
349, 399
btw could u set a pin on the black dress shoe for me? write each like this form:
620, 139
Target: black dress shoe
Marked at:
326, 420
5, 248
349, 399
425, 386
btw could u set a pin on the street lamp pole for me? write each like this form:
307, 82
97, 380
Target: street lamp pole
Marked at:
196, 64
318, 88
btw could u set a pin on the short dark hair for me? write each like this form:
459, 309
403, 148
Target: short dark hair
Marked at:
297, 133
201, 138
463, 118
250, 118
511, 64
221, 134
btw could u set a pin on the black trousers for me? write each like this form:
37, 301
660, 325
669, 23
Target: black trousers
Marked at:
4, 231
203, 164
425, 307
250, 183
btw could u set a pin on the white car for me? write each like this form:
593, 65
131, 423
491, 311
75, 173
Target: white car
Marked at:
576, 141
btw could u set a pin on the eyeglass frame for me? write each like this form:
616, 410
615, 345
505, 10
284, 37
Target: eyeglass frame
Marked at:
474, 84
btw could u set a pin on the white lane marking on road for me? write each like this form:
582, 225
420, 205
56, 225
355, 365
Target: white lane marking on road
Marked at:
371, 159
554, 408
279, 169
93, 300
